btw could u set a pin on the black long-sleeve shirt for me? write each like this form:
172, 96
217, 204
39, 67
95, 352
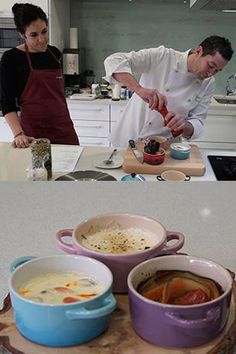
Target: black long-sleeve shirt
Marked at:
14, 73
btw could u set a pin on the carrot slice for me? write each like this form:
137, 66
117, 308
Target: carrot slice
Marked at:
69, 299
61, 289
154, 294
87, 295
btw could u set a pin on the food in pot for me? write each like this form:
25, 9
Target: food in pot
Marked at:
61, 288
152, 147
118, 240
179, 288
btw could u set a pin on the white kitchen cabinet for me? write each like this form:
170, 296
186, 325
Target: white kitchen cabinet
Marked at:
5, 131
91, 122
6, 5
219, 129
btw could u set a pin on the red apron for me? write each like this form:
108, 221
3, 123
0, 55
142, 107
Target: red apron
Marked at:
44, 112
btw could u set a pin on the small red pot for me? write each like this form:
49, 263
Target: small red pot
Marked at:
156, 159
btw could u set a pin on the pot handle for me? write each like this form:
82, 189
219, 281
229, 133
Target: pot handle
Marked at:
212, 315
65, 246
108, 305
173, 235
18, 261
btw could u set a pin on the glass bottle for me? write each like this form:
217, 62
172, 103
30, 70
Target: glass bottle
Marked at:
41, 155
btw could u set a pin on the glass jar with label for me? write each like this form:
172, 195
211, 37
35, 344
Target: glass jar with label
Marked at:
123, 90
41, 155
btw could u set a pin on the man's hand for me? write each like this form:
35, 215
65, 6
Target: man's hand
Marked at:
153, 97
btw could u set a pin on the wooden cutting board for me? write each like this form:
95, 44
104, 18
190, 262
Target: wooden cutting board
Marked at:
193, 166
120, 338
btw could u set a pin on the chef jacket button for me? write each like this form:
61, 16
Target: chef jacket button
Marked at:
189, 100
149, 123
167, 90
176, 70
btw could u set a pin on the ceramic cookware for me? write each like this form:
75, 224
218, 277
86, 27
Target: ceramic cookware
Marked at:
61, 324
179, 325
120, 263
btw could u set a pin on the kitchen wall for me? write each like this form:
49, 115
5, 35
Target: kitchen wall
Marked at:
107, 26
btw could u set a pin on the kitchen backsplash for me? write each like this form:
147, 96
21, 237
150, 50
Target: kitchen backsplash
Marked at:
107, 26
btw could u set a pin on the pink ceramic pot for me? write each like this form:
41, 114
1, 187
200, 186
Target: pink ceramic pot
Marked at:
121, 263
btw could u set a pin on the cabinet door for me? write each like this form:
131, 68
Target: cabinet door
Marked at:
91, 128
5, 131
219, 129
88, 111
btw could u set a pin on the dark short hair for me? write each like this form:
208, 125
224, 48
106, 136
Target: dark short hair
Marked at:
214, 44
26, 13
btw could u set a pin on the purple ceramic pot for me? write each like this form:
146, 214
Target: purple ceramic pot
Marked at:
120, 263
175, 325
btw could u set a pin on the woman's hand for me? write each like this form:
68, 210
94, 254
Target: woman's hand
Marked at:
22, 141
153, 97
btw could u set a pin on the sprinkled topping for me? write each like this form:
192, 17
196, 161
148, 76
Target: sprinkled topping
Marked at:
117, 240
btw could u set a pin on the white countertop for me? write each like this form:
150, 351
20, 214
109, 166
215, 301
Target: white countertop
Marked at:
214, 105
14, 162
31, 214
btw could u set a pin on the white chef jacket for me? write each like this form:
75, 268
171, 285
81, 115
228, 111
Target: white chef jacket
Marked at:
164, 69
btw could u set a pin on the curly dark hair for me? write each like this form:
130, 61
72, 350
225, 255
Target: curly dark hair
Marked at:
26, 13
214, 44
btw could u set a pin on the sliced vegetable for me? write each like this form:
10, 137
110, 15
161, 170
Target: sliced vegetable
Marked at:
178, 286
192, 297
155, 294
87, 296
174, 287
61, 289
69, 299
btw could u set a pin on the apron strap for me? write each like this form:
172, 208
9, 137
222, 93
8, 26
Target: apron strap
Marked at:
28, 57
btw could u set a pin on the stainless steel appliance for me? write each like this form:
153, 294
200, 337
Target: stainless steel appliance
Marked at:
9, 37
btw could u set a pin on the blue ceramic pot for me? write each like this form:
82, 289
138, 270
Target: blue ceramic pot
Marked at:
66, 324
180, 151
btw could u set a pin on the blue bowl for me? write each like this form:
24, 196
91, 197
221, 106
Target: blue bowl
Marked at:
180, 151
64, 324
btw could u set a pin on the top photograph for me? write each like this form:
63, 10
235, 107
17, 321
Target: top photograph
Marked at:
128, 90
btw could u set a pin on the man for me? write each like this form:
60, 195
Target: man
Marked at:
183, 81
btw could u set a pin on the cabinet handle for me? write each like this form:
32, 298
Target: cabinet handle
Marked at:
86, 110
89, 126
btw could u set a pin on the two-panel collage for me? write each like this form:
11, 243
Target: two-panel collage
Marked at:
117, 177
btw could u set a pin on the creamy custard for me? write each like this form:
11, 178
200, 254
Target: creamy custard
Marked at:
61, 288
117, 240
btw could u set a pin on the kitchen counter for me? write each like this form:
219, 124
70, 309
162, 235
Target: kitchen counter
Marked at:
30, 218
14, 162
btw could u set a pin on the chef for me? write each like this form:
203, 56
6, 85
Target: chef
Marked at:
183, 81
32, 83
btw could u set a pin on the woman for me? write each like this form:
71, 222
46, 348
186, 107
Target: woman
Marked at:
32, 83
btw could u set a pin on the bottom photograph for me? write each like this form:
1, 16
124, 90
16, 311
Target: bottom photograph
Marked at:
119, 269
